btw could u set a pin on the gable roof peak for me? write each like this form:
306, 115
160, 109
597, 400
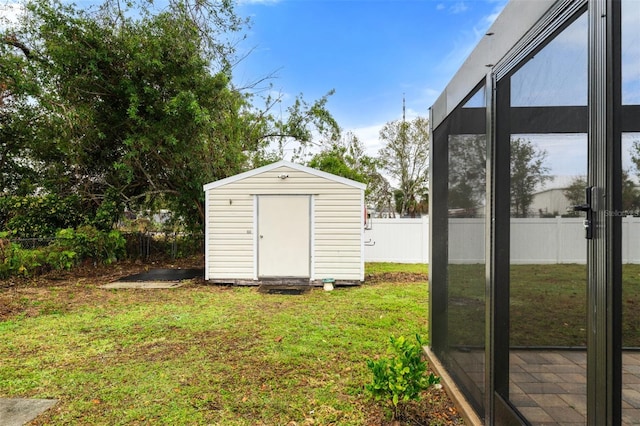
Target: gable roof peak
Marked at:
283, 163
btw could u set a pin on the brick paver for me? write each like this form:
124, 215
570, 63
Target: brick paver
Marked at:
549, 387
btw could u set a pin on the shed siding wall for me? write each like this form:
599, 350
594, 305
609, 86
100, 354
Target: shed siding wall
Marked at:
337, 221
229, 236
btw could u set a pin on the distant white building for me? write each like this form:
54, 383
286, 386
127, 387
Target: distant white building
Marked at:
550, 199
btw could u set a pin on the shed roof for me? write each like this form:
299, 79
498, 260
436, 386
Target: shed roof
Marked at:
283, 163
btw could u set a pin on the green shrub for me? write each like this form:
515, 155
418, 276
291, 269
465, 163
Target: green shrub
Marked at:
90, 243
107, 213
39, 216
61, 259
401, 377
14, 260
70, 247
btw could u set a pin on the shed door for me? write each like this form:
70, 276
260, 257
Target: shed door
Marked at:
284, 224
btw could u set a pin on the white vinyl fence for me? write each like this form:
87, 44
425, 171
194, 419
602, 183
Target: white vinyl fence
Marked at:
397, 240
533, 240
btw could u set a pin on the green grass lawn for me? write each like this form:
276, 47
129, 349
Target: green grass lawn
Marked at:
202, 354
547, 305
232, 356
388, 267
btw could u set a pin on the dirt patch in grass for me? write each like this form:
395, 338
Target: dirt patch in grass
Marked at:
396, 277
434, 408
57, 291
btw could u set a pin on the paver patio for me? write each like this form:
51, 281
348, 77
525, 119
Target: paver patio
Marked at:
549, 387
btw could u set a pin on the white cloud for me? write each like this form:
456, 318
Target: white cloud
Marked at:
458, 7
631, 43
10, 14
463, 46
497, 9
411, 113
566, 153
486, 21
428, 97
467, 40
279, 94
369, 136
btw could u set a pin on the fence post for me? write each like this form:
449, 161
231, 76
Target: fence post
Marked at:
424, 235
559, 238
626, 230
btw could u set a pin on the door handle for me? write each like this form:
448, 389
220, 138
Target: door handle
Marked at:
587, 207
581, 208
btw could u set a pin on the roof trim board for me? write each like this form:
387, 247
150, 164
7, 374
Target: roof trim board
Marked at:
278, 164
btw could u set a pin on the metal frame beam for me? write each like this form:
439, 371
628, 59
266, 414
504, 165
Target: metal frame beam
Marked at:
604, 316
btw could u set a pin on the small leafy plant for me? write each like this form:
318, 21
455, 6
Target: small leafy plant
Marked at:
401, 377
62, 259
88, 242
14, 260
70, 247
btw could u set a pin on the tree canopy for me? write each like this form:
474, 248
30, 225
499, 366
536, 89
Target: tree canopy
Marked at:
467, 174
528, 170
131, 106
346, 157
575, 193
405, 157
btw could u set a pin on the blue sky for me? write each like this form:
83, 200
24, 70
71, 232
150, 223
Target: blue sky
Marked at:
370, 51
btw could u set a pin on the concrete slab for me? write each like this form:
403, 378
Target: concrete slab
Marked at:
142, 284
156, 278
284, 289
18, 411
160, 274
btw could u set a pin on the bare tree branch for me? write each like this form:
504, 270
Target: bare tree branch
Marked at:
12, 40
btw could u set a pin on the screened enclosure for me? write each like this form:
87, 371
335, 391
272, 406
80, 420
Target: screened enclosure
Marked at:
535, 217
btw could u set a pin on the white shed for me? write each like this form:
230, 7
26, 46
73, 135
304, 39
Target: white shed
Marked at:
284, 221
